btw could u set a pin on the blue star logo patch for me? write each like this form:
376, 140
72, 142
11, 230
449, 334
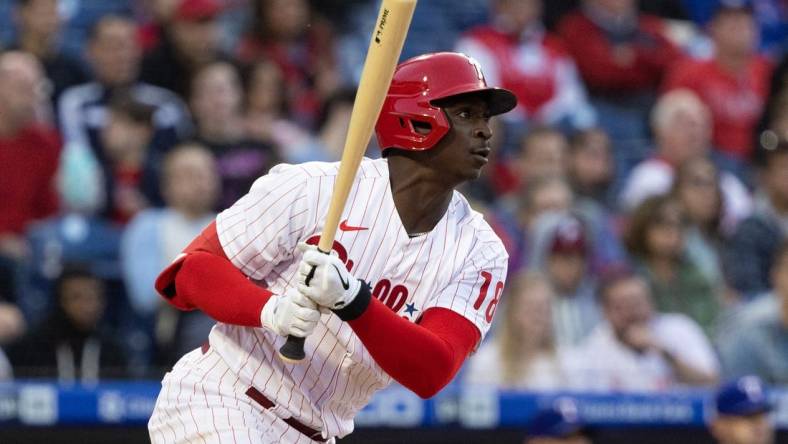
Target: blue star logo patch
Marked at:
410, 309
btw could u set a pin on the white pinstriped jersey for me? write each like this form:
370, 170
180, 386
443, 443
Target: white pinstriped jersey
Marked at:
459, 265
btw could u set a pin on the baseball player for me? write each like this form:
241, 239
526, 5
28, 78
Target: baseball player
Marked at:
407, 292
557, 423
743, 413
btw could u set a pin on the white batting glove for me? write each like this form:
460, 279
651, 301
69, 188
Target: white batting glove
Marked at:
290, 314
331, 285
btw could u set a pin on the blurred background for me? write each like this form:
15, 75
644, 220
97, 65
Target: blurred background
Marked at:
640, 188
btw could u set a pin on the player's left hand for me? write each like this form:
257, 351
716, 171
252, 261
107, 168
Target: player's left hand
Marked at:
331, 285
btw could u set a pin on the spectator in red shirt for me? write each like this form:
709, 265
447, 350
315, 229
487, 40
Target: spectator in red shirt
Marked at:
618, 50
517, 53
734, 84
29, 153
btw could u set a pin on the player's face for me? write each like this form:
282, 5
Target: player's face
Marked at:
464, 150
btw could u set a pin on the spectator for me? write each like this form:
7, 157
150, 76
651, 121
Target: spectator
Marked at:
542, 152
29, 153
288, 33
758, 341
591, 167
681, 131
216, 102
618, 50
71, 346
770, 15
115, 57
742, 413
636, 349
190, 185
734, 84
126, 139
38, 26
622, 56
127, 170
557, 423
514, 225
655, 239
517, 53
523, 354
561, 251
267, 118
190, 41
697, 189
751, 250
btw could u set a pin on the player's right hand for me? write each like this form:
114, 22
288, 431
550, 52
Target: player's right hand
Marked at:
329, 284
290, 314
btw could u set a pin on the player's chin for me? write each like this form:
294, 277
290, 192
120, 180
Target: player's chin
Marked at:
473, 174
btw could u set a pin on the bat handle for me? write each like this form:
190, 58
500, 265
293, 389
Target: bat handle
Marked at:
292, 352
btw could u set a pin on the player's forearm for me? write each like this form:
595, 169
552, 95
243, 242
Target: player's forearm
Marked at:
212, 284
422, 357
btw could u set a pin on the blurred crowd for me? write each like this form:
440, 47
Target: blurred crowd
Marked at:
640, 186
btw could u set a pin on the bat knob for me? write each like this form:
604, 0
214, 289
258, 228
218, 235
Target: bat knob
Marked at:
292, 352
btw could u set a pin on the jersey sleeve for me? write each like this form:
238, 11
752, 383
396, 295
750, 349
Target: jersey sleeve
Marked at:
262, 228
477, 285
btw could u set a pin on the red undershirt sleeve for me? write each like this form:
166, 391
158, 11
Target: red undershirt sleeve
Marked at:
423, 357
203, 278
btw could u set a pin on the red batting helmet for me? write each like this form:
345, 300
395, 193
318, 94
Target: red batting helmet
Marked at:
417, 84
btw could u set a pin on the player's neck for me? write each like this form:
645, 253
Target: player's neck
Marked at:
420, 199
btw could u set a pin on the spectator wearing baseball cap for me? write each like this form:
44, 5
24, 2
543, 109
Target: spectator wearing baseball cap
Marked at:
190, 41
742, 408
561, 250
557, 423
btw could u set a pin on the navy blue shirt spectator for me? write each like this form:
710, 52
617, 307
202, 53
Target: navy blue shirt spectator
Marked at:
115, 55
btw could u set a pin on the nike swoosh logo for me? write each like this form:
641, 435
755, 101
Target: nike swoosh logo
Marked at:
345, 227
345, 284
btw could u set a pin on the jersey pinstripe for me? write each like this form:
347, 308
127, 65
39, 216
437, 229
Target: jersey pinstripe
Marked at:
459, 265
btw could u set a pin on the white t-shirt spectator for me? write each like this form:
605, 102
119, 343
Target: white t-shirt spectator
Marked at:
612, 366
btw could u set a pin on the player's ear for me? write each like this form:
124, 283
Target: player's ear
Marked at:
423, 128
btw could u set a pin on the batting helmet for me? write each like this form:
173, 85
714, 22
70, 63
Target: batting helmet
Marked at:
417, 84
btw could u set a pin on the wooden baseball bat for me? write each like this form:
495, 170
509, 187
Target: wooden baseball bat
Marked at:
383, 53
